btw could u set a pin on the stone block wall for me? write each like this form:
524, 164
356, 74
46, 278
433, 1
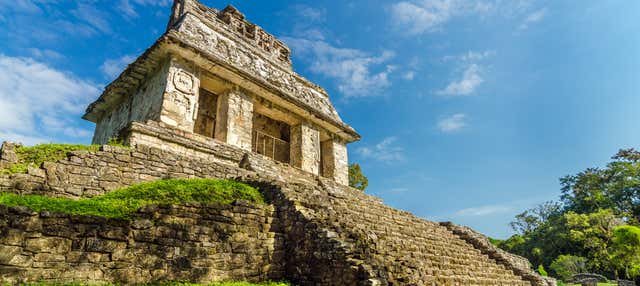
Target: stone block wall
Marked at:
144, 104
194, 242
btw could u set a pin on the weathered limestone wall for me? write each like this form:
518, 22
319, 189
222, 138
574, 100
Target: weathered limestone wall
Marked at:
234, 121
305, 148
143, 105
335, 164
175, 154
195, 242
180, 97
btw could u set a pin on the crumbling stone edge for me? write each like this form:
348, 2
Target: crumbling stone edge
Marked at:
519, 265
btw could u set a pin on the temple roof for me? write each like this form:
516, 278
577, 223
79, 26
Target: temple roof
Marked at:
226, 39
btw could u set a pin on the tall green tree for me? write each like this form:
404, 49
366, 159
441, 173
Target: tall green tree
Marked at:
356, 178
616, 187
625, 251
594, 203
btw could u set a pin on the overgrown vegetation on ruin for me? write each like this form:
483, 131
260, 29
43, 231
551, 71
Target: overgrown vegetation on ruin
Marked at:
125, 202
176, 284
36, 155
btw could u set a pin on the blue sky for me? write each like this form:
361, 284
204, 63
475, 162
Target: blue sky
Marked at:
470, 111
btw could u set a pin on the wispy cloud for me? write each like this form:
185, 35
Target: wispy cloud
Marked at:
484, 210
356, 72
417, 17
470, 56
410, 75
39, 102
309, 13
111, 68
452, 123
414, 17
467, 85
384, 151
533, 18
92, 16
128, 7
45, 54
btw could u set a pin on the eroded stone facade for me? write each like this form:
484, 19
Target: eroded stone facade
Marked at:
220, 55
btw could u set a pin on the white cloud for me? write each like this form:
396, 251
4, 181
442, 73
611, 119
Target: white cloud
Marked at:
470, 56
92, 16
111, 68
310, 13
484, 210
129, 9
415, 17
410, 75
452, 123
429, 15
45, 54
467, 85
351, 68
533, 18
385, 151
39, 102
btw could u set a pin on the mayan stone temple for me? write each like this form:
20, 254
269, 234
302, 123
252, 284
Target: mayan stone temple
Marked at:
216, 97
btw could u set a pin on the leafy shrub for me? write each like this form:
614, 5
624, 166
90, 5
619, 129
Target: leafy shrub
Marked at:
625, 250
173, 284
565, 266
356, 178
542, 271
125, 202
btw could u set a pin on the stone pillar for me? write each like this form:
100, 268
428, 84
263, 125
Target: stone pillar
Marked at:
305, 148
335, 164
8, 154
180, 99
234, 119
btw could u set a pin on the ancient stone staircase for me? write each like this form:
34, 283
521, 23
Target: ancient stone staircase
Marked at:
331, 234
392, 247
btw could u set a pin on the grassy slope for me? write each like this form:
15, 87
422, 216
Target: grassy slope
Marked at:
125, 202
178, 284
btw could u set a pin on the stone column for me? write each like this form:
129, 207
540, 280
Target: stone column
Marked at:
234, 119
180, 96
335, 164
305, 148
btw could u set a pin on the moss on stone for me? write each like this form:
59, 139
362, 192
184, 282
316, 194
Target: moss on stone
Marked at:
123, 203
174, 284
36, 155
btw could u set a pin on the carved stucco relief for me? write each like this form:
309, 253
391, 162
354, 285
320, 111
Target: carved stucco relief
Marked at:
181, 96
199, 34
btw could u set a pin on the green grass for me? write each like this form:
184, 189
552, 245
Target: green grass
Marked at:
36, 155
599, 284
174, 284
123, 203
